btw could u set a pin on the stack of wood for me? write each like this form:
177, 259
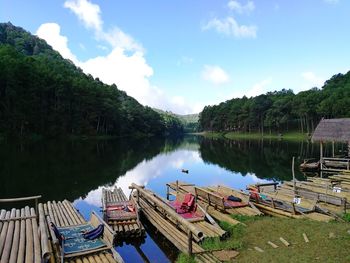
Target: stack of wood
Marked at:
124, 222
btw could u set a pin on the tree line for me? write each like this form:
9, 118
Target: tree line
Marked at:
280, 111
42, 93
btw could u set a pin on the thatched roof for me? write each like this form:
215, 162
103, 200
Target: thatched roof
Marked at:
337, 130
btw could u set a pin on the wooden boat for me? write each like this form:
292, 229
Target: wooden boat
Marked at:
310, 165
121, 214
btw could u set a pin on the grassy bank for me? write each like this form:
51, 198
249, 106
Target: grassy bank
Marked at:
256, 135
260, 230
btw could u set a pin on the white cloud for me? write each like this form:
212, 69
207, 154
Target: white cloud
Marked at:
312, 80
87, 12
215, 74
258, 88
230, 27
236, 6
51, 32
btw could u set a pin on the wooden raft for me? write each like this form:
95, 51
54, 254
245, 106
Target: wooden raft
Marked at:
64, 214
183, 235
21, 238
125, 225
212, 199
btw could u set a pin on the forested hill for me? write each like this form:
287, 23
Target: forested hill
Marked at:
188, 121
42, 93
281, 110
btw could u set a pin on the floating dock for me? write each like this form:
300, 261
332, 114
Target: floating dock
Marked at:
121, 214
26, 235
183, 234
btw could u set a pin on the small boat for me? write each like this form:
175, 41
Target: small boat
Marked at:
310, 165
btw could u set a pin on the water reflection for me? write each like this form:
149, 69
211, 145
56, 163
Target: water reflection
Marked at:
77, 171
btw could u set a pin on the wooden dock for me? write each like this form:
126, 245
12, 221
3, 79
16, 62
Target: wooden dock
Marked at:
26, 236
183, 234
126, 224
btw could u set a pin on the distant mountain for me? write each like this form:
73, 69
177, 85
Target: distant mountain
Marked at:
43, 94
189, 121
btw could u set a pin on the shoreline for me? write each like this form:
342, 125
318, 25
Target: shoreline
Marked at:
254, 135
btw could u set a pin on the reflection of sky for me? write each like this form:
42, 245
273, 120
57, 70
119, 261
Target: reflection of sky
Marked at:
154, 174
166, 167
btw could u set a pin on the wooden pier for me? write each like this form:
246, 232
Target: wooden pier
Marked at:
26, 236
121, 214
183, 234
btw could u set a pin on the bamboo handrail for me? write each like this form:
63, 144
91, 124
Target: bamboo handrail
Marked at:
7, 200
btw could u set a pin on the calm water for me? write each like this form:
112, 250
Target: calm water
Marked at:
78, 170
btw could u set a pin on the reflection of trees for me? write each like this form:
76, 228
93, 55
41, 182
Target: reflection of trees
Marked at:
267, 159
69, 169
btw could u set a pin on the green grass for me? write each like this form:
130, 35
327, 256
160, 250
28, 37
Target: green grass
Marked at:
183, 258
258, 231
346, 217
256, 135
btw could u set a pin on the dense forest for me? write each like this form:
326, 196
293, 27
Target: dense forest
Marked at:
189, 122
43, 94
281, 110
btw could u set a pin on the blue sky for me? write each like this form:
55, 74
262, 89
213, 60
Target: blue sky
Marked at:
182, 55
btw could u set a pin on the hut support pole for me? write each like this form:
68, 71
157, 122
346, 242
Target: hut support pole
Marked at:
333, 149
294, 183
189, 235
321, 155
349, 148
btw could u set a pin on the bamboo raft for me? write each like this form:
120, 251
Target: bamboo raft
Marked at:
124, 224
25, 236
278, 203
183, 234
212, 199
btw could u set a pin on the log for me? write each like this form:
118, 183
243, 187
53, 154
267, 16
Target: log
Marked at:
169, 211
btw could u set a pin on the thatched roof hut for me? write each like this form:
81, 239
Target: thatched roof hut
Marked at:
332, 130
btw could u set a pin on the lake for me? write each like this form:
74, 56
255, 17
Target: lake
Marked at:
77, 171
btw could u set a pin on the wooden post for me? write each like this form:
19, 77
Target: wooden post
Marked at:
167, 192
321, 154
294, 183
189, 235
333, 149
273, 203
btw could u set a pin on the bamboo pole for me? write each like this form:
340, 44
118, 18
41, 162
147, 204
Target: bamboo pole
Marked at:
37, 252
168, 210
4, 232
14, 249
44, 239
29, 257
2, 216
8, 240
6, 200
22, 239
